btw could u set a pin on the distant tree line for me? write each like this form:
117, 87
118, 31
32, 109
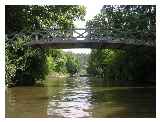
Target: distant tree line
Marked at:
83, 62
64, 62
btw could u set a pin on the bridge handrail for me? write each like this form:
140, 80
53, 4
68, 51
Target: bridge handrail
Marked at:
49, 34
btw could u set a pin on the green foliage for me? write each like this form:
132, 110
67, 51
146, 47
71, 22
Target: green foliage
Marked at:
133, 22
83, 62
28, 18
72, 64
51, 64
57, 60
133, 63
10, 69
25, 65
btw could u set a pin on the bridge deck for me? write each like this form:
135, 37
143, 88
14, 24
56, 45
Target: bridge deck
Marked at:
87, 38
65, 44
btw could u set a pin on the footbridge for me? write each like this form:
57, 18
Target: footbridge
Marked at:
90, 38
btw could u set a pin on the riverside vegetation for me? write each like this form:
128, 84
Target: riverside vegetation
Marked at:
131, 72
25, 65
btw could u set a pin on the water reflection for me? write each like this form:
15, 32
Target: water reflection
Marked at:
26, 102
74, 99
80, 97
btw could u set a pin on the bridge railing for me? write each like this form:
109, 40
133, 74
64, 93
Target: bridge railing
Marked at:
92, 34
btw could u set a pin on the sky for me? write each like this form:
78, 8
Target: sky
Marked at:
91, 10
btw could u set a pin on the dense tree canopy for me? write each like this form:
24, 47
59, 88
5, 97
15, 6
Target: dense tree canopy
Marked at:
138, 22
36, 17
135, 21
25, 65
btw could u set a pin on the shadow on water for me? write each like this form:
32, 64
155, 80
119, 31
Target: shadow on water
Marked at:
80, 97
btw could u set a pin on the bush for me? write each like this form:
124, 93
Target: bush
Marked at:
24, 65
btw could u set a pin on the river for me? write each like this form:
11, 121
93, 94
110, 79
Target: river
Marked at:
80, 97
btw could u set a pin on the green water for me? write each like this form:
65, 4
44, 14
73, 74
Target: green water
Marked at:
80, 97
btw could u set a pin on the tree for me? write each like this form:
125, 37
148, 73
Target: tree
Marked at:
131, 21
57, 60
138, 22
72, 64
25, 65
34, 17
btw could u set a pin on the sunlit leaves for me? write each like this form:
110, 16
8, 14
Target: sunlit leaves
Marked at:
25, 65
136, 22
36, 17
72, 64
